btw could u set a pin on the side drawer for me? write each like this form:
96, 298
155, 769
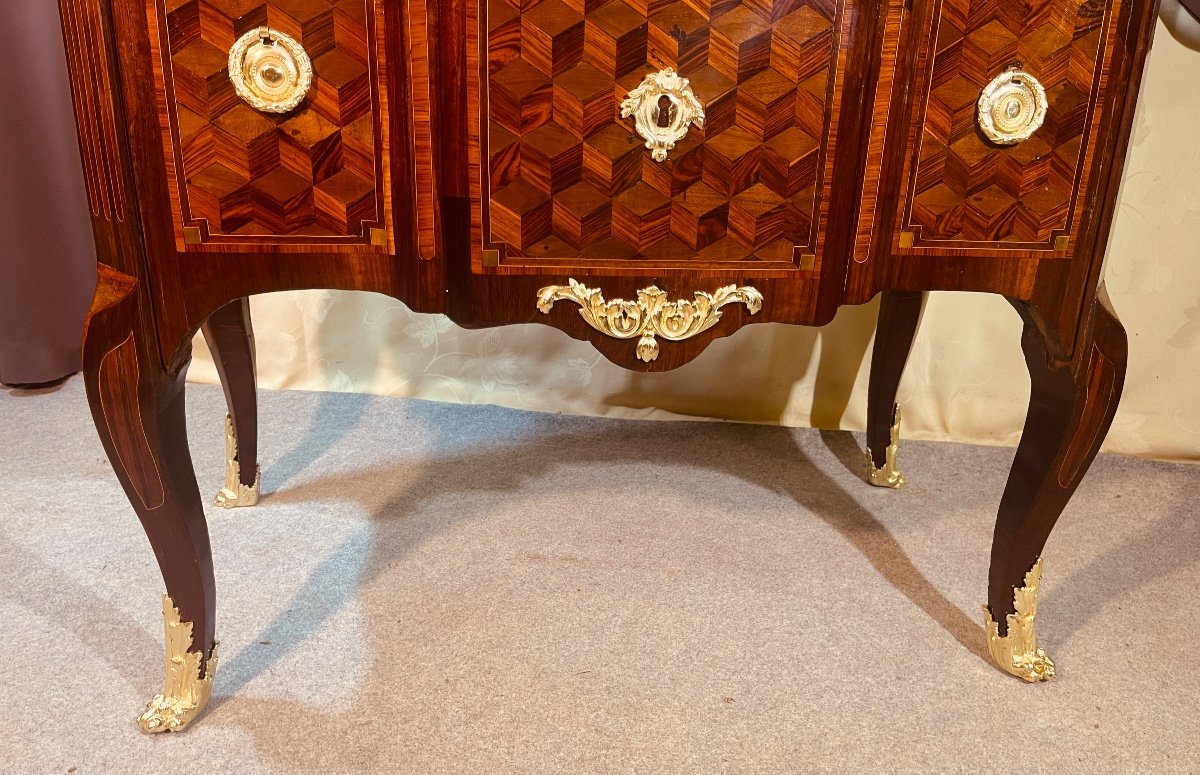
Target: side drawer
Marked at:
308, 177
968, 192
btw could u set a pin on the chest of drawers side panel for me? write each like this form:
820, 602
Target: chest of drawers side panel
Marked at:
91, 52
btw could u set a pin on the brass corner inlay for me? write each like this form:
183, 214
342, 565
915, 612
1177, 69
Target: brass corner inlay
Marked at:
651, 315
192, 235
189, 677
379, 237
907, 239
663, 106
234, 493
808, 262
1062, 244
889, 475
1017, 653
491, 257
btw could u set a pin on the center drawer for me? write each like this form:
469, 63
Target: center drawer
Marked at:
746, 94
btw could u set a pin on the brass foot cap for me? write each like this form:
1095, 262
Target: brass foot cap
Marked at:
1018, 653
188, 682
170, 714
889, 476
235, 494
1030, 664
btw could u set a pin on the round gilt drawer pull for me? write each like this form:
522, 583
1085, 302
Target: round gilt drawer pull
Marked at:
1012, 107
271, 71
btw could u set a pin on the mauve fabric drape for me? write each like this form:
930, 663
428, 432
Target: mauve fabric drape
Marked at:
47, 257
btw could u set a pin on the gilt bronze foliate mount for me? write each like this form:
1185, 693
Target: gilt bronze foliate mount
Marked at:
651, 315
188, 677
889, 476
663, 106
1017, 652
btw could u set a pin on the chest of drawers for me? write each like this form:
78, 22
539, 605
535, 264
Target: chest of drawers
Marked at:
644, 174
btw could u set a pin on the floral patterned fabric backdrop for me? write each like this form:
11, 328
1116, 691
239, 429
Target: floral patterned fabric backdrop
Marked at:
966, 380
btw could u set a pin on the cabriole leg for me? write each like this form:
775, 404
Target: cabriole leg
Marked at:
899, 316
230, 338
138, 409
1071, 406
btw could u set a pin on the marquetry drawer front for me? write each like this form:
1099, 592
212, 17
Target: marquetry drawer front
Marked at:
249, 172
563, 175
1005, 192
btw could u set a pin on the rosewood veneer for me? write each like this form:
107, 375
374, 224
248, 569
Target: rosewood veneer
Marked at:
644, 174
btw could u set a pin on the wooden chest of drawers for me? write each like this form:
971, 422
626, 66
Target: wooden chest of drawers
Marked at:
645, 174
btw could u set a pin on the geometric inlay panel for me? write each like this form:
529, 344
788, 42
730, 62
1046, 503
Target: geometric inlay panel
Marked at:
967, 189
310, 175
567, 177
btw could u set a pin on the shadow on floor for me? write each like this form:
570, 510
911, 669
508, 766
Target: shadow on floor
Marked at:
763, 456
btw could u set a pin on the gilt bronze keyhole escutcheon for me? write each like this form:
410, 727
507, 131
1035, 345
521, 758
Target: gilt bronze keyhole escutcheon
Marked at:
663, 106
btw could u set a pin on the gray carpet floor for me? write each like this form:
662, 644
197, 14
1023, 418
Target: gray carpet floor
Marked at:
428, 588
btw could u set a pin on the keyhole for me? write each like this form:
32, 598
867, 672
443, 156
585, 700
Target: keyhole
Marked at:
663, 118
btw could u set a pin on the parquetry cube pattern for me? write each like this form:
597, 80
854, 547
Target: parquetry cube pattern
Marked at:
307, 172
967, 189
570, 178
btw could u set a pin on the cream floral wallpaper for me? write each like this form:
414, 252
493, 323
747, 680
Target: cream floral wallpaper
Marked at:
966, 380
